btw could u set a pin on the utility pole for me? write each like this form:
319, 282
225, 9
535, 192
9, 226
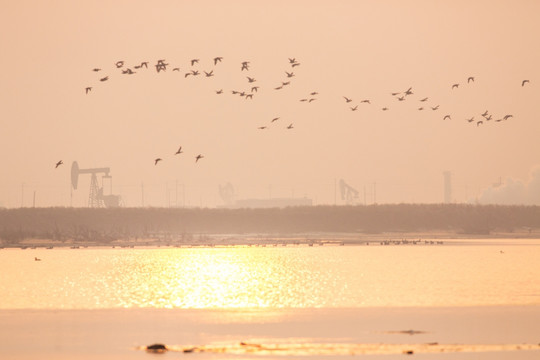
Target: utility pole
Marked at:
142, 194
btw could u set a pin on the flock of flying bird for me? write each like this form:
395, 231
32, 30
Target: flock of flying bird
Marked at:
252, 89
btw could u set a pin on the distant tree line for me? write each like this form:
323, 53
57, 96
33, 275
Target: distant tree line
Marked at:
102, 225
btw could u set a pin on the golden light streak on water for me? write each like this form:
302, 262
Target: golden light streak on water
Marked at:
271, 277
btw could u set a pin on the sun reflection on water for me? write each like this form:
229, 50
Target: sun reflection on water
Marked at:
266, 278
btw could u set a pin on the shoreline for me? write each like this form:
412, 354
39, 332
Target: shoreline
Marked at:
306, 239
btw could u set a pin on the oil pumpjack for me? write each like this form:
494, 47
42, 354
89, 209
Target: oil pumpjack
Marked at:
96, 198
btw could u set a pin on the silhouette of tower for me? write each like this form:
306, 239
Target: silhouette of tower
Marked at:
447, 187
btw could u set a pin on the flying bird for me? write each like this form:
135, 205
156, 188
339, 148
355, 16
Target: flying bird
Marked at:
119, 64
478, 123
194, 61
96, 69
254, 89
424, 99
262, 127
198, 157
435, 107
347, 99
471, 78
58, 164
354, 108
245, 66
88, 89
365, 101
290, 126
447, 117
506, 117
104, 78
289, 74
471, 119
275, 119
209, 74
314, 93
157, 160
179, 151
295, 64
524, 82
384, 109
217, 59
220, 91
455, 86
250, 79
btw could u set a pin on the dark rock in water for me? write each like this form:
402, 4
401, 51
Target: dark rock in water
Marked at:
156, 348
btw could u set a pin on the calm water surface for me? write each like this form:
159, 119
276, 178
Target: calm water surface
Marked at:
272, 277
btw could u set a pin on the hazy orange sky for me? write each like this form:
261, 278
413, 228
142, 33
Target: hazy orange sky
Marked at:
364, 50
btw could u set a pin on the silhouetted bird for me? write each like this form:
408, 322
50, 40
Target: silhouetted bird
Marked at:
471, 78
275, 119
384, 109
262, 127
471, 119
289, 74
354, 108
104, 78
119, 64
524, 82
198, 157
365, 101
290, 126
220, 91
485, 113
455, 86
88, 89
58, 164
194, 61
96, 69
434, 107
295, 64
179, 151
314, 93
409, 91
506, 117
250, 79
217, 59
347, 99
254, 89
157, 160
245, 66
447, 117
209, 74
478, 123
